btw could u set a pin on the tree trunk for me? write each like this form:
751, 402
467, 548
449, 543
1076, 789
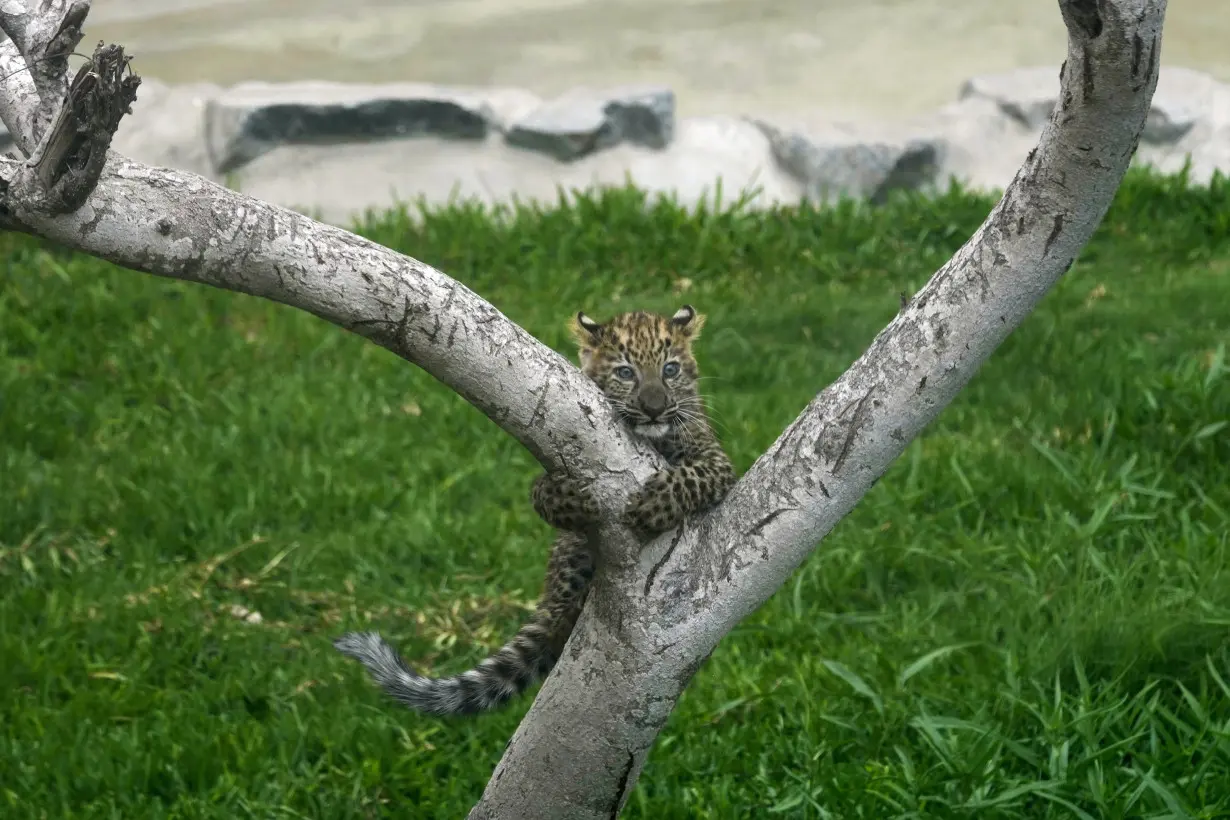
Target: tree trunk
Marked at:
655, 613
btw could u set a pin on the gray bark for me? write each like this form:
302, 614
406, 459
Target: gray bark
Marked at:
655, 613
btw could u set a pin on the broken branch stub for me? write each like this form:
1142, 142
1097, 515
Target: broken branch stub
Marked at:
69, 159
65, 128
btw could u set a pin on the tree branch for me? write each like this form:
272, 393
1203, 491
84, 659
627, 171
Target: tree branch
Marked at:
70, 126
632, 654
181, 226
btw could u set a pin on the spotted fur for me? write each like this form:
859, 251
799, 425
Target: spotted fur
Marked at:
644, 365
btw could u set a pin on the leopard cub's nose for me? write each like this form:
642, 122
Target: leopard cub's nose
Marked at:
653, 401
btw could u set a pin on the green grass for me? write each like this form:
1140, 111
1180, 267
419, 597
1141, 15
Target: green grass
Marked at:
1027, 617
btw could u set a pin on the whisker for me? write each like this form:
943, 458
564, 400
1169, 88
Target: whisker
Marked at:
715, 424
691, 417
694, 406
700, 406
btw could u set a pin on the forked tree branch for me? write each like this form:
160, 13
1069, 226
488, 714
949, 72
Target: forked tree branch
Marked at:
653, 616
646, 630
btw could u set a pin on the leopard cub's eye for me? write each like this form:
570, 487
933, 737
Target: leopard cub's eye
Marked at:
670, 370
626, 373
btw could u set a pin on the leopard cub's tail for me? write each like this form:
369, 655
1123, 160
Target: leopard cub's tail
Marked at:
507, 673
528, 657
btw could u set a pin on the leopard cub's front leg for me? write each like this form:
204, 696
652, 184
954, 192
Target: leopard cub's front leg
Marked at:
671, 495
659, 505
564, 502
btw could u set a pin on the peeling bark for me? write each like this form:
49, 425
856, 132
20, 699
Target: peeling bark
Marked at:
654, 614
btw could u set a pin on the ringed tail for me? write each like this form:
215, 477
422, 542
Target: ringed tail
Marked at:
513, 668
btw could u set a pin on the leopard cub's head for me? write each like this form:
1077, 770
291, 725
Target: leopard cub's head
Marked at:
643, 363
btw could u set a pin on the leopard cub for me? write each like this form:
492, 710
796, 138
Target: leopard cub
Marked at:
644, 365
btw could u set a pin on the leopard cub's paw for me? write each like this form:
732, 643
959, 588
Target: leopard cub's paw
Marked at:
652, 509
564, 502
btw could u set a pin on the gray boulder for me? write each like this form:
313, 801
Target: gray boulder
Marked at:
832, 163
165, 126
584, 121
250, 119
1188, 121
1028, 95
1206, 144
982, 146
708, 156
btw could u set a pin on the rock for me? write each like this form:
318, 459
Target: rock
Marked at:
707, 154
249, 119
583, 121
840, 163
1184, 99
983, 147
1189, 118
323, 147
1028, 95
339, 184
505, 106
165, 126
712, 159
1206, 145
644, 116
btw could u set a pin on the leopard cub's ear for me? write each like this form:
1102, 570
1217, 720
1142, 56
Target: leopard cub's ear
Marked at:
585, 330
687, 322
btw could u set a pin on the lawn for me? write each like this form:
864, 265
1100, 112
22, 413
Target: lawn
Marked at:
1027, 617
